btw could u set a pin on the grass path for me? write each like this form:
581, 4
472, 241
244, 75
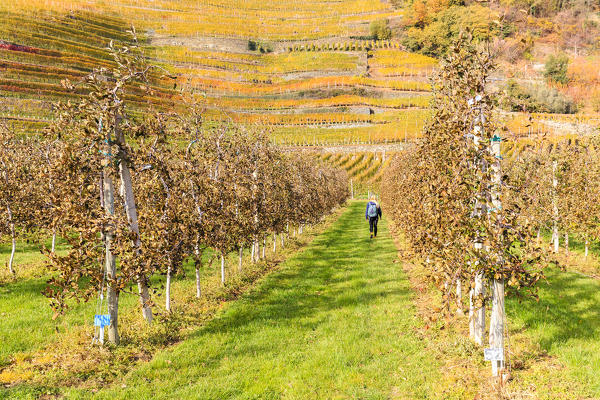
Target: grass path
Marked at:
336, 322
566, 324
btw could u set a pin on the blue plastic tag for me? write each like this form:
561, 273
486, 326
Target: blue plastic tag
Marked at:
102, 320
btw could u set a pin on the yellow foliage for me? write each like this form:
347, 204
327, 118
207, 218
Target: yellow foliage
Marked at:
10, 376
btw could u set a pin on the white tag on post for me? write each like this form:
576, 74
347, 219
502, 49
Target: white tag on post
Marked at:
493, 354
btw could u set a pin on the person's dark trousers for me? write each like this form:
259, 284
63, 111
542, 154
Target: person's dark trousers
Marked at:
373, 225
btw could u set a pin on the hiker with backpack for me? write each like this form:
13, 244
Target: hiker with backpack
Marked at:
372, 214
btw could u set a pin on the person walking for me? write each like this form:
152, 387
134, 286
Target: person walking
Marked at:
372, 214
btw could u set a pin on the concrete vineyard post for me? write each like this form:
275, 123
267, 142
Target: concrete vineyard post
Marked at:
498, 313
497, 323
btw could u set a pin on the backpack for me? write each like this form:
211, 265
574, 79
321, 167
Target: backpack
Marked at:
372, 210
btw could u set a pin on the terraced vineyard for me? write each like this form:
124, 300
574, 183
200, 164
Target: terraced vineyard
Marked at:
307, 70
303, 69
364, 168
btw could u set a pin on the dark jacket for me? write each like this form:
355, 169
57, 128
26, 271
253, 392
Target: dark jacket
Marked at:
378, 210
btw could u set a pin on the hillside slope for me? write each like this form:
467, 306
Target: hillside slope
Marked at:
308, 71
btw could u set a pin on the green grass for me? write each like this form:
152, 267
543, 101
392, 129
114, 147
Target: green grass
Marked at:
26, 317
26, 254
26, 323
566, 321
566, 324
337, 321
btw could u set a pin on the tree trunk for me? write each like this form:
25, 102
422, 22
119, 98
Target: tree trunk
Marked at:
555, 207
198, 265
53, 240
282, 240
198, 291
566, 243
168, 289
477, 315
112, 296
252, 250
274, 243
264, 250
447, 294
497, 323
13, 249
222, 269
351, 190
587, 247
13, 237
459, 306
538, 235
241, 255
131, 211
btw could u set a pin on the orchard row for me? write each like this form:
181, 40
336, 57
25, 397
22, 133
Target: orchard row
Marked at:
130, 212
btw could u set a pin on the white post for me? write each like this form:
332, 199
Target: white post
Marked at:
498, 312
477, 315
497, 323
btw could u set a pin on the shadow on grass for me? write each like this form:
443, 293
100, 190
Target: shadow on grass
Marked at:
569, 307
331, 277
